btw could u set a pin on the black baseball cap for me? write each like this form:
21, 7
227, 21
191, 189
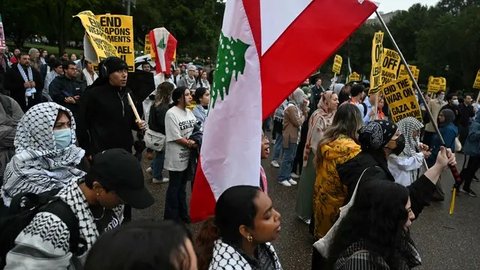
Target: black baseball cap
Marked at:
119, 171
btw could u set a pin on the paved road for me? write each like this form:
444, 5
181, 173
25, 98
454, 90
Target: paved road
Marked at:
444, 241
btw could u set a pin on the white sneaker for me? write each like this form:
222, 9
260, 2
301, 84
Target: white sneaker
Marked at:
275, 164
294, 175
157, 181
292, 182
149, 170
285, 183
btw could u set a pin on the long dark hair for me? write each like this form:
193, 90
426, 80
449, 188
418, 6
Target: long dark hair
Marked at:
377, 217
141, 245
234, 207
347, 121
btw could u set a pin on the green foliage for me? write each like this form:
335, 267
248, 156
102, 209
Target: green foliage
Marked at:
443, 40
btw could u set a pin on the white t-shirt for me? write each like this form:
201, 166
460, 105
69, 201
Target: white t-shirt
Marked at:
178, 124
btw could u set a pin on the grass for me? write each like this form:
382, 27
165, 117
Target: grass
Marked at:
49, 48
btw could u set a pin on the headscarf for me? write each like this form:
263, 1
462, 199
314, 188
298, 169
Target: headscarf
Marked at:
407, 126
449, 117
38, 165
319, 121
376, 134
297, 97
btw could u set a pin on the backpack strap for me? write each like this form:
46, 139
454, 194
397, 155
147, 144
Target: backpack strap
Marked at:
62, 210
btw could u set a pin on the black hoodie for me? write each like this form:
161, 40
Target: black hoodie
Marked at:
105, 119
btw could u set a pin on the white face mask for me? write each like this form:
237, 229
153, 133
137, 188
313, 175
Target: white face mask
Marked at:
455, 102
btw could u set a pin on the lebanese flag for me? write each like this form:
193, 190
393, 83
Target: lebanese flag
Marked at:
164, 45
267, 48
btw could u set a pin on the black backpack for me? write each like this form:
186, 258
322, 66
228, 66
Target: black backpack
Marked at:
21, 212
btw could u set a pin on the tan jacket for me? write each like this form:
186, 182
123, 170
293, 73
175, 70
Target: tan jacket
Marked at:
435, 106
292, 123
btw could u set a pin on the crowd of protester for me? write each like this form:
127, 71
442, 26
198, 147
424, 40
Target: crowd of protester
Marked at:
67, 135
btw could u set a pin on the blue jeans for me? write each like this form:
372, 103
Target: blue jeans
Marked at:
287, 162
157, 165
176, 198
277, 147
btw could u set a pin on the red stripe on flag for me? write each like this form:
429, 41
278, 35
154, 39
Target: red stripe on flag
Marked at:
153, 45
171, 46
252, 9
306, 44
202, 202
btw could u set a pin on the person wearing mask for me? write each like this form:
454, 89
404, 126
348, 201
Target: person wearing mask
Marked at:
66, 89
318, 123
25, 83
434, 105
379, 139
405, 165
46, 155
337, 145
471, 149
202, 98
449, 132
453, 104
156, 122
105, 118
375, 232
96, 201
465, 113
293, 119
149, 245
239, 235
179, 125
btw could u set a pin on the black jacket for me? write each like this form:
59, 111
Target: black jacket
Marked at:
105, 119
62, 87
156, 120
464, 114
14, 83
421, 190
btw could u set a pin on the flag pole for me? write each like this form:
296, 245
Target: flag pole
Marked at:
453, 169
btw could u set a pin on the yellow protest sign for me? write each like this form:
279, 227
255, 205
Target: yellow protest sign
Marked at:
404, 73
390, 65
436, 84
119, 31
96, 44
401, 99
354, 77
148, 47
476, 83
337, 64
375, 73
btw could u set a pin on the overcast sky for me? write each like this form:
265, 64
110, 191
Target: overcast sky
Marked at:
392, 5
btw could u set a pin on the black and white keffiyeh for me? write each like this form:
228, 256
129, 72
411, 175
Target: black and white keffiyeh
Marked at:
407, 126
376, 134
38, 165
227, 257
29, 91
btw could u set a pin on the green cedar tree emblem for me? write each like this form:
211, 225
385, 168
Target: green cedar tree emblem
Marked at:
230, 61
161, 44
